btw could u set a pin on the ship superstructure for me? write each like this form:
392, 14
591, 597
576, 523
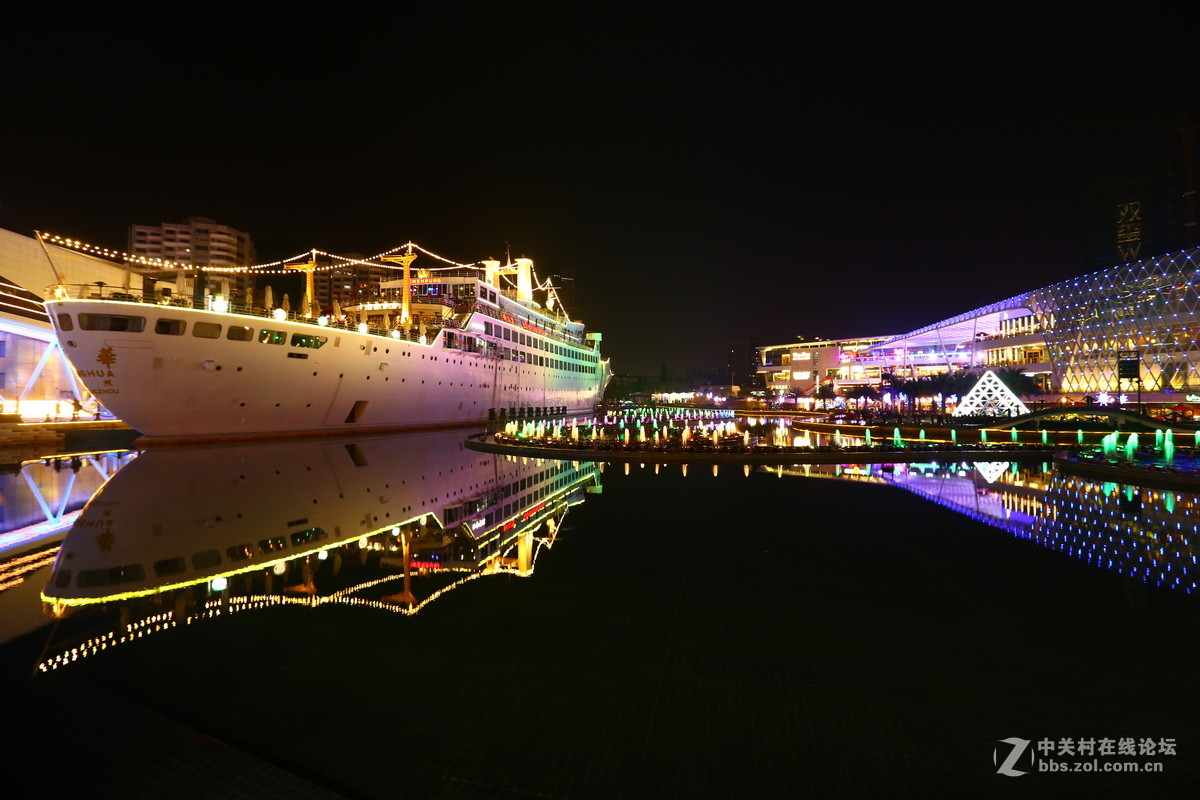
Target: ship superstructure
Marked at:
454, 345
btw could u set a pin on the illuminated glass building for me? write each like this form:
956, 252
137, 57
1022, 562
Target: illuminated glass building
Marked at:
794, 371
1069, 337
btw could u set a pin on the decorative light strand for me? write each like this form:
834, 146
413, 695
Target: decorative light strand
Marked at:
266, 268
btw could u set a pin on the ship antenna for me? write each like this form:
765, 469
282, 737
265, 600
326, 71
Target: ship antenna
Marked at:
58, 276
41, 240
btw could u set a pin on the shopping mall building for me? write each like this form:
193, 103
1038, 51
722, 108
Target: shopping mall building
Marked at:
1114, 331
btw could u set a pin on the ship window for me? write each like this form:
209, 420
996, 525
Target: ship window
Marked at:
272, 545
112, 322
170, 327
208, 558
240, 333
111, 576
239, 553
272, 337
170, 566
206, 330
307, 537
64, 322
305, 340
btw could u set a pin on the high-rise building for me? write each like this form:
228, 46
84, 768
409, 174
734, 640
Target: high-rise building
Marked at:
197, 241
350, 283
563, 280
1141, 200
742, 360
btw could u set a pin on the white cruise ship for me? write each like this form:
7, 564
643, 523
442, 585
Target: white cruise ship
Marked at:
459, 345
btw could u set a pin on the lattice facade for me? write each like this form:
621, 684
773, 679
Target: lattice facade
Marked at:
991, 397
1148, 306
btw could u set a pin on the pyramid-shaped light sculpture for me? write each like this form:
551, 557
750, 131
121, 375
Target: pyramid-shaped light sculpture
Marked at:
990, 397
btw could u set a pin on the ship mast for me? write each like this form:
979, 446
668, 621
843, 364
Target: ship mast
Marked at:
406, 260
310, 286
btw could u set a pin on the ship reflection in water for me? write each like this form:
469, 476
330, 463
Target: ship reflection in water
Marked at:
392, 523
1144, 533
183, 535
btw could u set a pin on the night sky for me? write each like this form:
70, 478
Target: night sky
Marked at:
762, 175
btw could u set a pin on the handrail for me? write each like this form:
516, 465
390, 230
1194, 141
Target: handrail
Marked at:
102, 291
91, 291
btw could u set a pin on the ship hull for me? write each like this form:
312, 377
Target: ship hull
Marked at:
151, 367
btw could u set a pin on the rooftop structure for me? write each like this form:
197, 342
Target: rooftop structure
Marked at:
1118, 330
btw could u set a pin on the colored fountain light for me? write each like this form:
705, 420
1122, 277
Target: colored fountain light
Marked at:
1131, 445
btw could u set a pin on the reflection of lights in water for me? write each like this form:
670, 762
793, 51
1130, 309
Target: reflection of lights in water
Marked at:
991, 470
502, 548
1145, 534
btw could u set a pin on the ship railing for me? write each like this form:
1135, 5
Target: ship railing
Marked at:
494, 313
101, 291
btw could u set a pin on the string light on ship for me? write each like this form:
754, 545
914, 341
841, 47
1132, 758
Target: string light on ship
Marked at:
299, 263
279, 267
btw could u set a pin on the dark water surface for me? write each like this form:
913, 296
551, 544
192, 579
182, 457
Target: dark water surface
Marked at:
660, 635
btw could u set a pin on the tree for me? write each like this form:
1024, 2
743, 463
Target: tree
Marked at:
898, 385
960, 383
861, 393
826, 392
1017, 381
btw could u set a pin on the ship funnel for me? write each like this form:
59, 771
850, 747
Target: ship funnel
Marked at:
524, 279
491, 272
